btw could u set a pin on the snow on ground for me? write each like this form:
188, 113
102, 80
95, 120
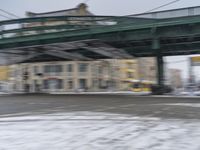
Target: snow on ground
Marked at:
97, 131
182, 104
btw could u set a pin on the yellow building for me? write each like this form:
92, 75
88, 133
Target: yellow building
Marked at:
4, 79
138, 74
4, 71
128, 72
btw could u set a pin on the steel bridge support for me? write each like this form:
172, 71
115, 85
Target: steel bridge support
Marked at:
160, 65
160, 70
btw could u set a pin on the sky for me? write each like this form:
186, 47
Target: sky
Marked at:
105, 7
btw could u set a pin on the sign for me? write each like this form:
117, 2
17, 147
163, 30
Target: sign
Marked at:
195, 61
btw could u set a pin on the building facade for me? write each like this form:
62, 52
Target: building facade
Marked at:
4, 70
174, 78
4, 79
147, 69
80, 10
71, 76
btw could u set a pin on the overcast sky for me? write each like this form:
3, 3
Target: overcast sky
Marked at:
103, 7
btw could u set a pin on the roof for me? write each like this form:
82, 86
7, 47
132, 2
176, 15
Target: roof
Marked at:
67, 12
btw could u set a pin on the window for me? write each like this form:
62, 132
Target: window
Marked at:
130, 65
35, 70
46, 84
100, 70
59, 84
136, 85
94, 82
36, 85
47, 69
70, 67
17, 73
152, 68
83, 67
82, 83
70, 84
12, 73
53, 84
103, 84
130, 75
52, 68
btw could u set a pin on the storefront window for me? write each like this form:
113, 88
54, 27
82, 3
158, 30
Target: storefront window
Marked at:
53, 84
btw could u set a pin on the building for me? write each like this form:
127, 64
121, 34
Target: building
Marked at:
65, 76
50, 72
4, 70
174, 78
4, 79
68, 76
147, 69
80, 10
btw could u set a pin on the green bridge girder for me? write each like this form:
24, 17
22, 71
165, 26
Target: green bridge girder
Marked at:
127, 32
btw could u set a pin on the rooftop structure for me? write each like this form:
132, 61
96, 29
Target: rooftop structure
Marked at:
81, 9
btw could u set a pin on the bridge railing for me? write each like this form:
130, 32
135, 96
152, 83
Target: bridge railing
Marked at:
174, 13
40, 25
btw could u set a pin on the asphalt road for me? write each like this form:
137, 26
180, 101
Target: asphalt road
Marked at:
163, 107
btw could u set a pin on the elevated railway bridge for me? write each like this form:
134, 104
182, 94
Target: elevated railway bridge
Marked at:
157, 34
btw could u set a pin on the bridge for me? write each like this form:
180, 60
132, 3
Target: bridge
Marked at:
99, 37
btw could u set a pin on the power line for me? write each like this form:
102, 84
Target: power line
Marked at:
5, 16
175, 1
172, 2
9, 13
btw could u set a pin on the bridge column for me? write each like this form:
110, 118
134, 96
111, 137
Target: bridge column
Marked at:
160, 70
160, 62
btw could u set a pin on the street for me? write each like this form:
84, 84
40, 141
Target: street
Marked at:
98, 122
163, 107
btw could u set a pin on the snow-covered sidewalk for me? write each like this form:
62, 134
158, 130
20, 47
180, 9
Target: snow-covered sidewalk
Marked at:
97, 131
